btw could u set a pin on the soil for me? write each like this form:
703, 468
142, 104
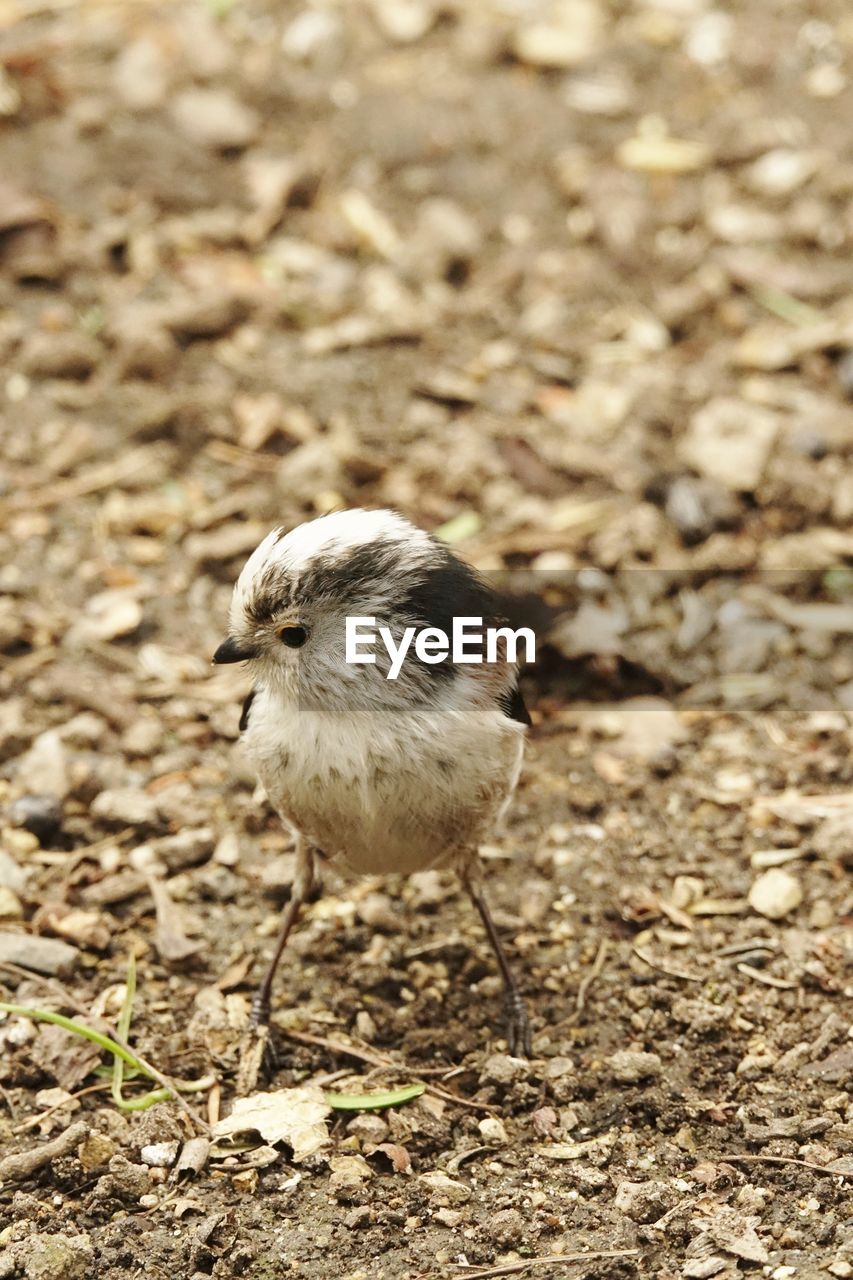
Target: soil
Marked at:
577, 296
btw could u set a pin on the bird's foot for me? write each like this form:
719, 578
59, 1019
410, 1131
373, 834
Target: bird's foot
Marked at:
518, 1036
258, 1057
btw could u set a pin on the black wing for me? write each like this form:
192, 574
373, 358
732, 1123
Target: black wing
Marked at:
244, 714
512, 704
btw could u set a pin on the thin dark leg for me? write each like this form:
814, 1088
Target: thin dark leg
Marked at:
517, 1023
256, 1055
301, 887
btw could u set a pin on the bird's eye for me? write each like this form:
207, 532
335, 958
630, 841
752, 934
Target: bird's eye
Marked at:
293, 637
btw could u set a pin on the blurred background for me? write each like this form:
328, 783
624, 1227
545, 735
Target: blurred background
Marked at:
569, 282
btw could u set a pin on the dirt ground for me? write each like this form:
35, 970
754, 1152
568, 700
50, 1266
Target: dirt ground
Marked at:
571, 284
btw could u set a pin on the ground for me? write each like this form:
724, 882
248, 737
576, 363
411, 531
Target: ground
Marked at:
570, 284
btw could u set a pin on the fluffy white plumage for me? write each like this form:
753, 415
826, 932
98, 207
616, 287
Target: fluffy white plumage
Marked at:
381, 778
377, 775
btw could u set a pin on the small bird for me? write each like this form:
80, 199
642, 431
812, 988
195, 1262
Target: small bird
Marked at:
375, 774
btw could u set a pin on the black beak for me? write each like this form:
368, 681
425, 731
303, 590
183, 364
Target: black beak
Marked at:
232, 650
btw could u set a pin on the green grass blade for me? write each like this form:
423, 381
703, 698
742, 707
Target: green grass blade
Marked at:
374, 1101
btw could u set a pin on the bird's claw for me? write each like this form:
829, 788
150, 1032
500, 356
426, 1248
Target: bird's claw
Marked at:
258, 1057
517, 1026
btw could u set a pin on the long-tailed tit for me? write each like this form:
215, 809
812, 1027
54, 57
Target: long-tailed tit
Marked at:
383, 775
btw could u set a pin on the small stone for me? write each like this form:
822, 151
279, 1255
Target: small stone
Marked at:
159, 1155
443, 1189
368, 1128
127, 806
44, 770
730, 441
39, 814
348, 1175
43, 955
501, 1069
654, 151
143, 738
834, 837
775, 893
12, 876
60, 355
448, 1217
53, 1257
139, 74
572, 34
644, 1201
97, 1150
841, 1268
404, 21
128, 1181
10, 904
781, 171
629, 1066
505, 1228
109, 615
493, 1131
215, 118
312, 34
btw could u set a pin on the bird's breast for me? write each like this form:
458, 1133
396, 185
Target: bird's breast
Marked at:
385, 794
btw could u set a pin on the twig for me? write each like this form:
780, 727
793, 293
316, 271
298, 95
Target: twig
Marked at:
35, 1121
552, 1260
377, 1060
590, 977
802, 1164
750, 971
662, 968
24, 1163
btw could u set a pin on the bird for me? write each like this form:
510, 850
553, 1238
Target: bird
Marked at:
372, 774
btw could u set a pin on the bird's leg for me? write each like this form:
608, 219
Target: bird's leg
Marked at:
256, 1050
517, 1023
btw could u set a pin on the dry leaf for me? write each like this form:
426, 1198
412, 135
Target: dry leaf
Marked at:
294, 1116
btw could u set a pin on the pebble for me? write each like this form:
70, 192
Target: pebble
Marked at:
139, 74
97, 1150
12, 876
159, 1155
10, 904
41, 815
127, 806
445, 1189
493, 1131
348, 1175
312, 34
404, 21
644, 1201
45, 1256
629, 1066
834, 838
655, 152
775, 894
697, 505
215, 118
60, 355
730, 441
572, 34
781, 171
368, 1128
143, 738
42, 955
44, 770
505, 1228
500, 1068
204, 315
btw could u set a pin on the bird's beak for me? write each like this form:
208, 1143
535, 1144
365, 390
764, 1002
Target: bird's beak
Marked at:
232, 650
